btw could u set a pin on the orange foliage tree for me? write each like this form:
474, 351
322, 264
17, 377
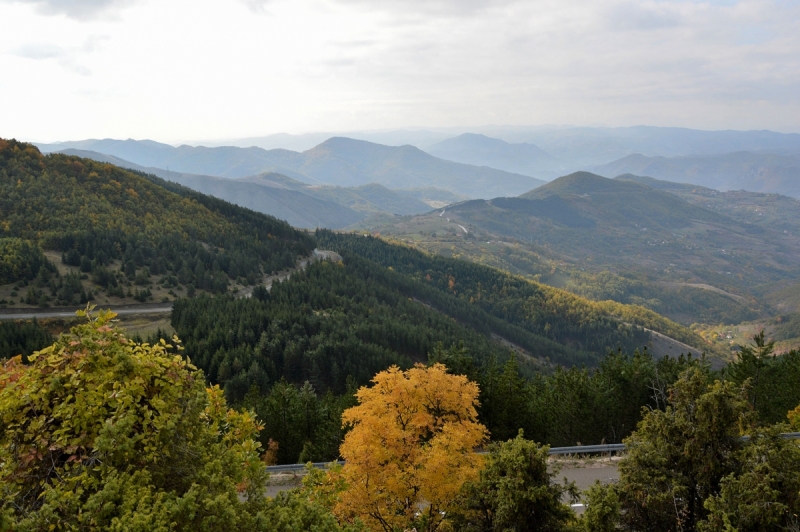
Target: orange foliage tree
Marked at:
411, 448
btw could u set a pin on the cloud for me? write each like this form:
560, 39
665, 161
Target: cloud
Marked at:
438, 8
367, 64
256, 6
66, 57
39, 51
76, 9
635, 16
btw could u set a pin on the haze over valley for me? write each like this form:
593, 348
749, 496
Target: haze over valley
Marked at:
370, 266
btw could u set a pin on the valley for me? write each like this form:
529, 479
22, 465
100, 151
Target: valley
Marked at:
381, 266
571, 309
699, 256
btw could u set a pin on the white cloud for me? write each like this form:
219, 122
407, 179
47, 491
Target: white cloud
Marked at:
256, 6
77, 9
181, 69
69, 58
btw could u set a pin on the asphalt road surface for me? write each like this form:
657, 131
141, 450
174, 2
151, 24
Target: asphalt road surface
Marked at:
583, 474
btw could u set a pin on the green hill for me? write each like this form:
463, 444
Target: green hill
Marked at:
689, 253
130, 231
769, 211
622, 201
299, 203
388, 304
364, 199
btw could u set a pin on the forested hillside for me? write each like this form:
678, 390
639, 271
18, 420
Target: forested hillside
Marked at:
553, 313
390, 304
295, 353
126, 229
692, 254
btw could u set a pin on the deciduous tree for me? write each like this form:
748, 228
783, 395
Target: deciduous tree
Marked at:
411, 448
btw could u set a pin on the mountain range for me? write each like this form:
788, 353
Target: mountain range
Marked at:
480, 150
337, 161
691, 253
118, 231
341, 181
300, 204
743, 170
586, 147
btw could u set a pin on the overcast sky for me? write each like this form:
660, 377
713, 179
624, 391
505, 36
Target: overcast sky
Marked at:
174, 70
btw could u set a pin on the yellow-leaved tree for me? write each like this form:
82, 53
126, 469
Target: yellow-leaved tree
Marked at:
411, 448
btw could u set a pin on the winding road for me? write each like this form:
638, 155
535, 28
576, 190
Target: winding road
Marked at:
155, 308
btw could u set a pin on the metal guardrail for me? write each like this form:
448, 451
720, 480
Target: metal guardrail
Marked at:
588, 449
576, 449
785, 436
299, 467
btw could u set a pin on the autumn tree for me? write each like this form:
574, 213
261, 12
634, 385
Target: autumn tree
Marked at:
411, 448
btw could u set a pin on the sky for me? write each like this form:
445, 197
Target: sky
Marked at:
176, 70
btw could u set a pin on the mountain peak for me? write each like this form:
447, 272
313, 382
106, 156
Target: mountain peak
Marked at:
579, 183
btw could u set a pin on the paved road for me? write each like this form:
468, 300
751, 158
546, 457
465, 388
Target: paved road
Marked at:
583, 475
154, 308
26, 314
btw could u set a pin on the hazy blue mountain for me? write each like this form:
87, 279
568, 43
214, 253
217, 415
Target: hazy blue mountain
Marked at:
756, 172
351, 162
287, 203
142, 152
337, 161
420, 138
282, 141
364, 199
598, 144
590, 146
480, 150
223, 161
301, 204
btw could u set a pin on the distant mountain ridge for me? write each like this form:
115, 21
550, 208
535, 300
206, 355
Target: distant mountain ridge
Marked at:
579, 146
587, 147
300, 204
756, 172
480, 150
337, 161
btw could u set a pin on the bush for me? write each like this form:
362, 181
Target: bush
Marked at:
100, 433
